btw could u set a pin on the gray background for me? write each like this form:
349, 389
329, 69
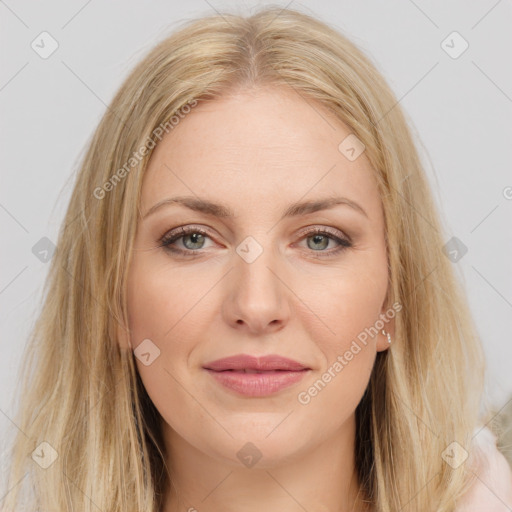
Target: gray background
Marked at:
460, 108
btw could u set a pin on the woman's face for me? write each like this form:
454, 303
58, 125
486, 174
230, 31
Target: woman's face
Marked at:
256, 281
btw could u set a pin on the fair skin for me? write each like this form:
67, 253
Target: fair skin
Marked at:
257, 152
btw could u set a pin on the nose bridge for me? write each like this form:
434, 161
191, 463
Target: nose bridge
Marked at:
258, 295
255, 266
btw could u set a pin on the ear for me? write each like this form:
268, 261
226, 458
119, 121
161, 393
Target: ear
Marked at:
382, 339
386, 322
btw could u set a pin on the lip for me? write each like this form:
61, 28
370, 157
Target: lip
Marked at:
277, 373
263, 363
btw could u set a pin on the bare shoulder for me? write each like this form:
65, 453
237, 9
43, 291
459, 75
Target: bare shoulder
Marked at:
492, 487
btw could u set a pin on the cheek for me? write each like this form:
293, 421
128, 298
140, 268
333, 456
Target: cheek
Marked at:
158, 301
164, 309
353, 309
158, 318
155, 313
350, 310
350, 300
349, 306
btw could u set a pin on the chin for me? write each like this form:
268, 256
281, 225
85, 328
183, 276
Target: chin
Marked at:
259, 451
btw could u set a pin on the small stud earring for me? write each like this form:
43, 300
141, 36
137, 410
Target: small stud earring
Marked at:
388, 335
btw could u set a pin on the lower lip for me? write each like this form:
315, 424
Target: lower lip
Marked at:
257, 384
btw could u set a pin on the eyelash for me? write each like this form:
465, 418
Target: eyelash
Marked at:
170, 237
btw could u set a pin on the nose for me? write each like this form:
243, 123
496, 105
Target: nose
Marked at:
258, 299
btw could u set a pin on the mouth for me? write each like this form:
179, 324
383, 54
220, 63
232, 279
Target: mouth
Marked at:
252, 383
256, 376
254, 364
253, 370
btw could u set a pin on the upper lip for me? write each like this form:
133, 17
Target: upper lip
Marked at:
247, 362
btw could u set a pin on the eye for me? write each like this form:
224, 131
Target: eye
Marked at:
195, 235
320, 238
193, 239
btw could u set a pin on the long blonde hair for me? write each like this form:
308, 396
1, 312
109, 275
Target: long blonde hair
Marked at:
81, 392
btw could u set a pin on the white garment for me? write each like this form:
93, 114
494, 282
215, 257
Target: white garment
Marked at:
492, 490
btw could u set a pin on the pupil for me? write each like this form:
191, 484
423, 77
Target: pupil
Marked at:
194, 237
317, 239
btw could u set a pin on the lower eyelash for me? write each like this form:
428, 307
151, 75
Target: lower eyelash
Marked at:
343, 243
167, 240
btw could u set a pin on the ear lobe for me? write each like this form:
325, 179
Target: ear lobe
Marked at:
383, 340
388, 313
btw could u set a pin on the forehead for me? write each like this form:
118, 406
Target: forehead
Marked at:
260, 147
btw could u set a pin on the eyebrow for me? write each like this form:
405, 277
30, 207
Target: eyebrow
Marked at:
219, 210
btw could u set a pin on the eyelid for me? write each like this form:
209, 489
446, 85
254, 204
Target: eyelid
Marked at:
335, 232
171, 236
181, 231
304, 231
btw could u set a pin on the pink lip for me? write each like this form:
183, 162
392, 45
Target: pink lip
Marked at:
278, 373
243, 361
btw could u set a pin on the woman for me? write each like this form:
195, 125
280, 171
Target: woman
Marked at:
249, 306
